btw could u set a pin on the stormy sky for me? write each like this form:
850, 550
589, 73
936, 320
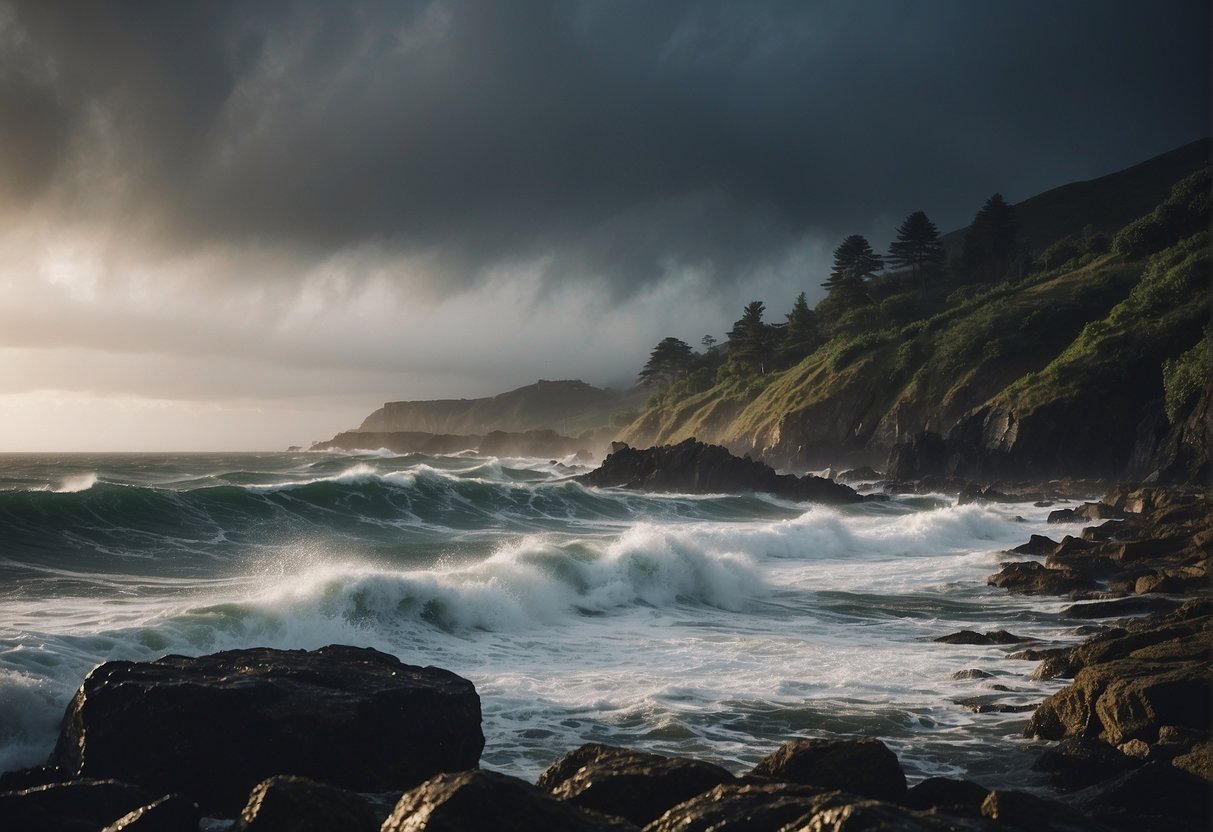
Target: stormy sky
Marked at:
229, 225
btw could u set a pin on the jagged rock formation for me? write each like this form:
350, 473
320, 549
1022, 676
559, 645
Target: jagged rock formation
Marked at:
693, 467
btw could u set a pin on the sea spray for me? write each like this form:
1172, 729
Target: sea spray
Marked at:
715, 625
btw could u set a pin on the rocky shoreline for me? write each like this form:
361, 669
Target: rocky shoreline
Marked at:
349, 738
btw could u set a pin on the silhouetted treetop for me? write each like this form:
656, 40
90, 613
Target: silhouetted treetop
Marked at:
989, 243
750, 340
854, 258
917, 246
800, 336
668, 361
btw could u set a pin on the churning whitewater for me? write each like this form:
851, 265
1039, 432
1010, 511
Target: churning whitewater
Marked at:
710, 626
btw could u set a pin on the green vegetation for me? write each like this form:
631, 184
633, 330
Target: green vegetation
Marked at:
668, 361
1183, 377
1185, 212
917, 246
1087, 319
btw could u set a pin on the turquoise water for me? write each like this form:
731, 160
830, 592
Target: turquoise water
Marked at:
715, 626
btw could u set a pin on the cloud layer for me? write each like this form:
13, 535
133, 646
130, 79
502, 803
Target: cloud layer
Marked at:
283, 181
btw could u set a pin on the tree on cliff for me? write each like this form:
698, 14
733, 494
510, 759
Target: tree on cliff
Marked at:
752, 342
801, 336
853, 260
917, 246
989, 244
668, 361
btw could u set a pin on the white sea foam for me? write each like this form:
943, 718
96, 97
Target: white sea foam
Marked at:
684, 624
76, 482
30, 711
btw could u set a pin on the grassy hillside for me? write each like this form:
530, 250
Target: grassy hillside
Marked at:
1091, 333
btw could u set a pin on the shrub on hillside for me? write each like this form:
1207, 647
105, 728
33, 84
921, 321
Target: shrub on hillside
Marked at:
1183, 377
1184, 213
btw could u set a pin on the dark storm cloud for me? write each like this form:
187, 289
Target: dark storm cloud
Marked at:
615, 140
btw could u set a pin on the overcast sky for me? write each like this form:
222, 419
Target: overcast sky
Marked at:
233, 225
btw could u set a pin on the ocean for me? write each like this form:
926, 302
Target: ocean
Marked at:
710, 626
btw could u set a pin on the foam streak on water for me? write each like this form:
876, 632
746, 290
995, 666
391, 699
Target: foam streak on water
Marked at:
714, 626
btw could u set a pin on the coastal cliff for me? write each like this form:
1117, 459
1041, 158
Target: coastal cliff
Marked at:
1092, 362
570, 407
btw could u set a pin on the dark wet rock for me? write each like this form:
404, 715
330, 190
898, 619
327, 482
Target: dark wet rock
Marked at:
972, 673
993, 704
973, 493
1151, 548
783, 807
1090, 512
973, 637
1119, 607
27, 778
1198, 761
213, 727
171, 813
630, 784
1037, 545
1078, 762
742, 808
84, 805
480, 799
955, 797
864, 473
296, 804
1070, 546
1063, 515
1126, 699
693, 467
1154, 790
1036, 654
839, 812
1173, 581
1027, 811
1032, 578
858, 765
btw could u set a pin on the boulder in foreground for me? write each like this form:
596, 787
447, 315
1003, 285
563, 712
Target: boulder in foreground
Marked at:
634, 785
858, 765
480, 799
693, 467
213, 727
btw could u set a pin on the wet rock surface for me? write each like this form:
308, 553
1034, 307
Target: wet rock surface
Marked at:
213, 727
861, 766
692, 467
634, 785
1134, 724
479, 799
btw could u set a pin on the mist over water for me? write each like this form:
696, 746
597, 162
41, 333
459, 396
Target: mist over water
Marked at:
713, 626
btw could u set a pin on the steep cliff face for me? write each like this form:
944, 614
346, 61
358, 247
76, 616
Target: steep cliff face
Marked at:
1083, 413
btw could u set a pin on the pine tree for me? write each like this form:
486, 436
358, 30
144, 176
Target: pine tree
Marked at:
750, 340
667, 362
989, 244
854, 258
917, 246
800, 337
